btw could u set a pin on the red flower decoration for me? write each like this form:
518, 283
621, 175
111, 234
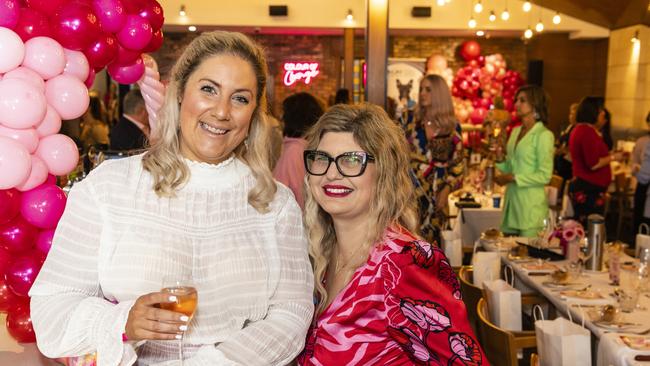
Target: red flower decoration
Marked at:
417, 351
465, 348
426, 314
422, 253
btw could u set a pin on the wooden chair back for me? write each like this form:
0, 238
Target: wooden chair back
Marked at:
471, 295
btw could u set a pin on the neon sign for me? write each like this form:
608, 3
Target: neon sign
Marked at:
300, 71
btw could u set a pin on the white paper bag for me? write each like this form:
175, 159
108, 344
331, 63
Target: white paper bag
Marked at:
453, 246
504, 304
486, 267
561, 342
642, 239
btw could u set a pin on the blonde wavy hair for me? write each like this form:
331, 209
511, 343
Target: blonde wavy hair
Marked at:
441, 112
393, 201
164, 160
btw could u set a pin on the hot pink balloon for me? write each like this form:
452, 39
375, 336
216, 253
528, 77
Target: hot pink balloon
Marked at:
12, 50
26, 137
28, 74
44, 241
102, 51
32, 24
45, 6
50, 179
155, 43
5, 259
76, 64
22, 105
37, 176
45, 56
128, 74
75, 26
111, 14
135, 34
90, 80
17, 235
43, 206
153, 13
59, 153
9, 13
15, 163
125, 56
68, 95
133, 6
9, 205
51, 123
21, 274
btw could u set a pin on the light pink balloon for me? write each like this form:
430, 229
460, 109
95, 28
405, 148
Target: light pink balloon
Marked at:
27, 137
59, 153
67, 95
22, 104
45, 56
25, 73
76, 64
37, 176
12, 50
15, 163
51, 124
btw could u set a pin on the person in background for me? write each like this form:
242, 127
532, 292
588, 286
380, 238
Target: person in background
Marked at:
200, 203
527, 166
299, 112
132, 130
384, 296
638, 162
342, 96
436, 145
562, 161
275, 142
606, 130
94, 129
591, 158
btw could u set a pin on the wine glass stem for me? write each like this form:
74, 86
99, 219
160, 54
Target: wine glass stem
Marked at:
180, 350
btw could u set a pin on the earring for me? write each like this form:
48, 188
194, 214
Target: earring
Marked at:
536, 115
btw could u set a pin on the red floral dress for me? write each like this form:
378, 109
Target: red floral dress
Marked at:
403, 307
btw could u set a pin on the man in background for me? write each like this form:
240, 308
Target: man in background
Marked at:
132, 130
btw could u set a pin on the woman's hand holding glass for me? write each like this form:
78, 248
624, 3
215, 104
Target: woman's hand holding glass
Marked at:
149, 318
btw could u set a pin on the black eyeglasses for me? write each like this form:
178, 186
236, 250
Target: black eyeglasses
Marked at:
349, 164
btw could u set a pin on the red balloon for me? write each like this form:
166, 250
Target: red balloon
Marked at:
470, 50
125, 56
22, 273
17, 235
153, 13
19, 324
133, 6
32, 23
90, 80
127, 74
44, 241
5, 258
155, 43
9, 13
111, 14
102, 51
75, 26
135, 34
8, 299
9, 205
478, 115
48, 7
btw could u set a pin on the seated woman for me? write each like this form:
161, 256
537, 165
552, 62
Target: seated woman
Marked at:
201, 203
385, 297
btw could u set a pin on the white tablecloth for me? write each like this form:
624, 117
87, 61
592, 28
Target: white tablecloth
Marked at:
473, 221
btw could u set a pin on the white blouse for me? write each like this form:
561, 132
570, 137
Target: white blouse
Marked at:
117, 239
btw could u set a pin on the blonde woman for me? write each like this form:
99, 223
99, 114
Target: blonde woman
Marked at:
200, 203
385, 297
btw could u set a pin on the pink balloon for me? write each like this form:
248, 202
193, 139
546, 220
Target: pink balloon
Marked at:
17, 235
135, 34
37, 176
133, 6
51, 124
128, 74
155, 43
102, 51
44, 241
125, 56
111, 14
9, 205
32, 24
21, 274
26, 137
28, 74
76, 64
15, 163
45, 56
68, 95
45, 6
43, 206
9, 13
90, 79
75, 26
5, 259
50, 179
59, 153
12, 50
153, 13
22, 105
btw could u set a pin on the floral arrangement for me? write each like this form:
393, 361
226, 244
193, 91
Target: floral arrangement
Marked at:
566, 232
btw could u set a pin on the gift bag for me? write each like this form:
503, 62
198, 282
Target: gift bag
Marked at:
561, 342
504, 303
486, 267
453, 246
642, 239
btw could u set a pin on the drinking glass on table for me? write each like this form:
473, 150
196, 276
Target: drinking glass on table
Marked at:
186, 300
644, 268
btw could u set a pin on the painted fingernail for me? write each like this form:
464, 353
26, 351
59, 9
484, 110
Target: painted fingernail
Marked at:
184, 318
178, 336
172, 298
183, 327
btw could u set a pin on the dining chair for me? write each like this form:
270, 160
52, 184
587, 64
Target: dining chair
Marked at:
622, 199
471, 295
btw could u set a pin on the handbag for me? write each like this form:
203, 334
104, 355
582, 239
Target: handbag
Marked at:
504, 302
561, 342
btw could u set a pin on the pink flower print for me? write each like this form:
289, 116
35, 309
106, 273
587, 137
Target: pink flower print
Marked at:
580, 232
422, 253
426, 314
569, 235
465, 348
417, 351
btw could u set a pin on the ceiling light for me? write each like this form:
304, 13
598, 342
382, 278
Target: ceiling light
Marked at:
527, 6
492, 16
505, 15
441, 2
191, 28
528, 34
478, 7
480, 33
471, 23
182, 11
349, 17
557, 18
539, 27
635, 39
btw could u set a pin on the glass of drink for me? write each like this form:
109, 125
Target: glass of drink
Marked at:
186, 300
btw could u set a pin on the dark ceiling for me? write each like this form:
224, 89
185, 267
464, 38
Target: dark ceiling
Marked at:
612, 14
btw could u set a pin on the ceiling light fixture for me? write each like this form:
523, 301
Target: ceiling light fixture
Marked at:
528, 34
441, 2
480, 33
557, 18
527, 6
182, 11
635, 38
539, 27
471, 23
492, 16
478, 8
349, 17
191, 28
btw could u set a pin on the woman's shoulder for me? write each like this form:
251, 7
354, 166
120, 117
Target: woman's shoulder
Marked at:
116, 171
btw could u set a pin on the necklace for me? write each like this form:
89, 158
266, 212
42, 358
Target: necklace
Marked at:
338, 266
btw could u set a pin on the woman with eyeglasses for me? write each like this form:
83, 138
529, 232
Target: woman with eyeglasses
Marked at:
385, 297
